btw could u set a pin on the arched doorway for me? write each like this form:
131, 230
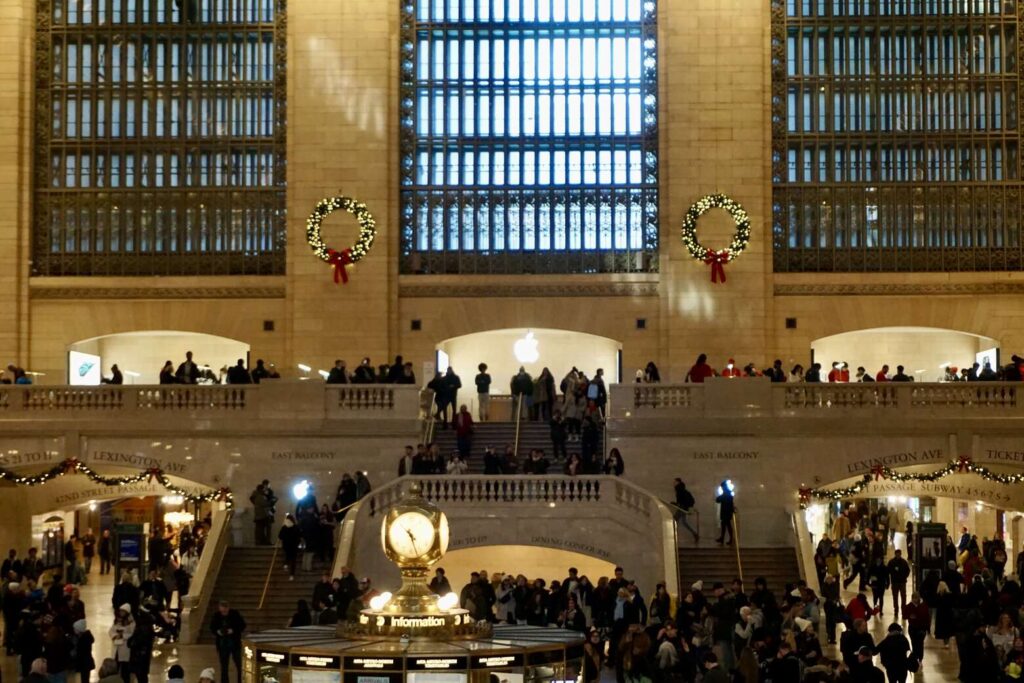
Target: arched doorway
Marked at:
543, 563
140, 355
925, 352
505, 351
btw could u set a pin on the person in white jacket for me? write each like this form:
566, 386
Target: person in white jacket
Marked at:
120, 632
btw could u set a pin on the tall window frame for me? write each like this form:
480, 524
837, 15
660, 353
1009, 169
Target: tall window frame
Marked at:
159, 138
496, 174
896, 135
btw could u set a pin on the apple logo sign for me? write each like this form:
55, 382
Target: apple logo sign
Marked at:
526, 349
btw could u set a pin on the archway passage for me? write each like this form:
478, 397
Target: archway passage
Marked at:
140, 355
924, 352
534, 562
505, 351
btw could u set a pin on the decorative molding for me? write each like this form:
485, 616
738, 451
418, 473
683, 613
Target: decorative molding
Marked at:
881, 289
158, 293
526, 290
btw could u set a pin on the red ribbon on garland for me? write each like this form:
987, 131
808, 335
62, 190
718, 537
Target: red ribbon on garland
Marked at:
963, 463
878, 471
717, 261
70, 465
153, 472
805, 496
340, 259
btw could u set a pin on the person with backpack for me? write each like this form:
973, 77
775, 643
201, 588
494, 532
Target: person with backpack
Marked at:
684, 507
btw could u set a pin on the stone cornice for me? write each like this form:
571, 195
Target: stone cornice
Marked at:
891, 289
267, 292
525, 289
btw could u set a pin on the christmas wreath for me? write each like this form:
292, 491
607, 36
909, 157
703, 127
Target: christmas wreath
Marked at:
340, 259
716, 258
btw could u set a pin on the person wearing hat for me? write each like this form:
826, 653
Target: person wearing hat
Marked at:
863, 669
894, 649
853, 639
13, 602
120, 633
207, 676
730, 370
83, 641
228, 626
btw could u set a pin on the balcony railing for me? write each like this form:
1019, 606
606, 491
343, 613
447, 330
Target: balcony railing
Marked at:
756, 397
280, 399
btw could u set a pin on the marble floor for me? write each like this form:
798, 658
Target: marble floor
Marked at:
939, 664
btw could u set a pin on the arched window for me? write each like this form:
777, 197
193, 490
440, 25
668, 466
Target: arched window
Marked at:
529, 136
160, 137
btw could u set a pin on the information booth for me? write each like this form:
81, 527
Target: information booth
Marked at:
413, 635
315, 654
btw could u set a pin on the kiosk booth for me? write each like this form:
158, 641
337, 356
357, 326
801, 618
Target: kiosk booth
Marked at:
414, 635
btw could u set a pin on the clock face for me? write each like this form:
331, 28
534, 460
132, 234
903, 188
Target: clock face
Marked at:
411, 534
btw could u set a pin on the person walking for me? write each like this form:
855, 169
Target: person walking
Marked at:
483, 393
261, 516
899, 573
726, 510
290, 537
228, 626
463, 423
452, 384
88, 551
684, 507
81, 650
120, 633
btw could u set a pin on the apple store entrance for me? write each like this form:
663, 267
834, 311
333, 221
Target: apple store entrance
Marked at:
505, 351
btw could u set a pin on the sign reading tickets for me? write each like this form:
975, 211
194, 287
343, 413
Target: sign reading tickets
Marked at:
316, 661
436, 663
497, 661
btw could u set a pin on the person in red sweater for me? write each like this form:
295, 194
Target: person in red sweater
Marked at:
883, 374
464, 431
839, 373
700, 370
731, 370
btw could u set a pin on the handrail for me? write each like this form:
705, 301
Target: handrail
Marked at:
519, 417
270, 572
196, 603
736, 543
430, 421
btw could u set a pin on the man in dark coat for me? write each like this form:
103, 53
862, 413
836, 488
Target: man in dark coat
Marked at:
228, 626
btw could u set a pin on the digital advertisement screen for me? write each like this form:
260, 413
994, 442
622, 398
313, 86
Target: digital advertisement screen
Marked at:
129, 549
991, 356
84, 369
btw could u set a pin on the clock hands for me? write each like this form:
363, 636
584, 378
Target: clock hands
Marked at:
412, 538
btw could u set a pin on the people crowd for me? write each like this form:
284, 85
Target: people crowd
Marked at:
427, 459
44, 618
840, 372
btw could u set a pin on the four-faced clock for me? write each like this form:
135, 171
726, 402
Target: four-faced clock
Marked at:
411, 535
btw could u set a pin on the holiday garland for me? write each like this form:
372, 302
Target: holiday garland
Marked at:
74, 466
340, 259
963, 465
740, 239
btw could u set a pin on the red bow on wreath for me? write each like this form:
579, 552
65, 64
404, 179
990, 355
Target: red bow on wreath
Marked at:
717, 261
805, 496
153, 472
963, 464
223, 493
878, 471
340, 259
70, 465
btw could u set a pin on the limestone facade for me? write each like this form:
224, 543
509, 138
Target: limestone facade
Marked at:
343, 136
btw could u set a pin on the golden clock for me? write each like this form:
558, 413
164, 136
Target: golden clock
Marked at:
414, 532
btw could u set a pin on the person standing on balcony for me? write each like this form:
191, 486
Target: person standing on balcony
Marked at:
115, 375
238, 374
883, 374
483, 393
777, 374
396, 371
700, 370
614, 465
188, 372
260, 372
463, 423
900, 376
598, 392
730, 370
363, 486
405, 465
407, 376
364, 374
338, 374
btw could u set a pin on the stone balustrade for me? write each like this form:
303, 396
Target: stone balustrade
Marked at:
271, 399
761, 398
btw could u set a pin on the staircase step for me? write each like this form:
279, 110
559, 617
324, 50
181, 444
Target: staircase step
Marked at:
778, 566
500, 434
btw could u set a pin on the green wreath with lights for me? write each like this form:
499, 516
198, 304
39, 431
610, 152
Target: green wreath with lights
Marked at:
350, 255
740, 239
